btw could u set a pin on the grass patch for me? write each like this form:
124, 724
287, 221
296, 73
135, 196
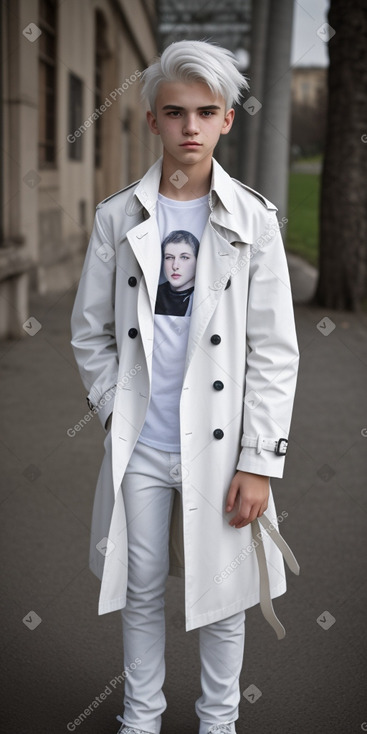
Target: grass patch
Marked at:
310, 159
303, 226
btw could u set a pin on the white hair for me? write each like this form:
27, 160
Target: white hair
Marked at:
200, 61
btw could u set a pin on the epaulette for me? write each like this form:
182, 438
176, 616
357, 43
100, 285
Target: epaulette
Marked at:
126, 188
263, 199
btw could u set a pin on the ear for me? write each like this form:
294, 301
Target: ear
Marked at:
228, 121
152, 123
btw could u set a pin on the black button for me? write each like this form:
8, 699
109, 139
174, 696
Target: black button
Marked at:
228, 284
133, 333
218, 433
218, 385
132, 281
215, 339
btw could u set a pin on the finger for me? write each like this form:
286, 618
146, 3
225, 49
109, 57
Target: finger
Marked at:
254, 513
231, 497
263, 508
242, 524
242, 517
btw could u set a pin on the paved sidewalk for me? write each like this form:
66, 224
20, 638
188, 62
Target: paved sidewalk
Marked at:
311, 682
303, 278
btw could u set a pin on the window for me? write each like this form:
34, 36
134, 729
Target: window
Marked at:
75, 117
47, 83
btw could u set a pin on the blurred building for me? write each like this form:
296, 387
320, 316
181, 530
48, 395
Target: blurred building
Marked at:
308, 110
73, 131
227, 24
308, 84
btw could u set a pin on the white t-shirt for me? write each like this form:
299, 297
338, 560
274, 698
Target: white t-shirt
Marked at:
181, 225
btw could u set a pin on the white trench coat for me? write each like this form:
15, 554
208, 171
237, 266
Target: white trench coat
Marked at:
242, 333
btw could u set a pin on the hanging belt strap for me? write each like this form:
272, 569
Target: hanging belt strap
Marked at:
266, 603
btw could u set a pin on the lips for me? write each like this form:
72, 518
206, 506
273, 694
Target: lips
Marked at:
176, 275
184, 145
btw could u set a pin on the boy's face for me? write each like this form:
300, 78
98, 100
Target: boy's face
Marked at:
189, 120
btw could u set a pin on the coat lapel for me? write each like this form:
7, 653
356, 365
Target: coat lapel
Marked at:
145, 243
216, 257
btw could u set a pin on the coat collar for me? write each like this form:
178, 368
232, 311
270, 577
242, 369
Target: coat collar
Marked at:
146, 193
232, 203
221, 188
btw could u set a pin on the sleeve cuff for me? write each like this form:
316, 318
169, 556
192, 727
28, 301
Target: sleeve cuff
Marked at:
266, 463
104, 406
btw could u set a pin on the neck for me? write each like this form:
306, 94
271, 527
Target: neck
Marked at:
199, 178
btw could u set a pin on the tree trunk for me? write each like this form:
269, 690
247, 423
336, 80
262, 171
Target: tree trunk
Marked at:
342, 282
273, 154
251, 124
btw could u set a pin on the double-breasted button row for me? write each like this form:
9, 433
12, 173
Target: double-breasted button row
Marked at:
132, 281
218, 385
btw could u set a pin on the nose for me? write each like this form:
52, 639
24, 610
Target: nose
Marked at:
190, 125
175, 264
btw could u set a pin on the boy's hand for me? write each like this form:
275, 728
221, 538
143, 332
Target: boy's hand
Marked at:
249, 494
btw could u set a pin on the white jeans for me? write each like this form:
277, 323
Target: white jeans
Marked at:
148, 491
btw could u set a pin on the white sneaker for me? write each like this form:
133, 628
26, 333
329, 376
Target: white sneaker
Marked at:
128, 729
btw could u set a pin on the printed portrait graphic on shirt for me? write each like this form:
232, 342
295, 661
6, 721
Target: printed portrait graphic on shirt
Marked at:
179, 252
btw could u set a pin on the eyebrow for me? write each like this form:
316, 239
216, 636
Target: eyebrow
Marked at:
176, 107
181, 253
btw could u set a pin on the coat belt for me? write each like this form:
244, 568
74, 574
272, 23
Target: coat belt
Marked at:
266, 603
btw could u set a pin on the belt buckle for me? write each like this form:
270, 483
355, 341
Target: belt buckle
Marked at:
281, 447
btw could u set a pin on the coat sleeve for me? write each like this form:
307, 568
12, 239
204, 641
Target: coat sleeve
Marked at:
272, 355
93, 321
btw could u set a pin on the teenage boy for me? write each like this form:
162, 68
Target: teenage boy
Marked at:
198, 399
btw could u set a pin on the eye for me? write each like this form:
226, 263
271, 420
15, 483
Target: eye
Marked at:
207, 113
173, 113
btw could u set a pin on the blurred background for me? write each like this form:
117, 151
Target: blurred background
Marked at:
72, 132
